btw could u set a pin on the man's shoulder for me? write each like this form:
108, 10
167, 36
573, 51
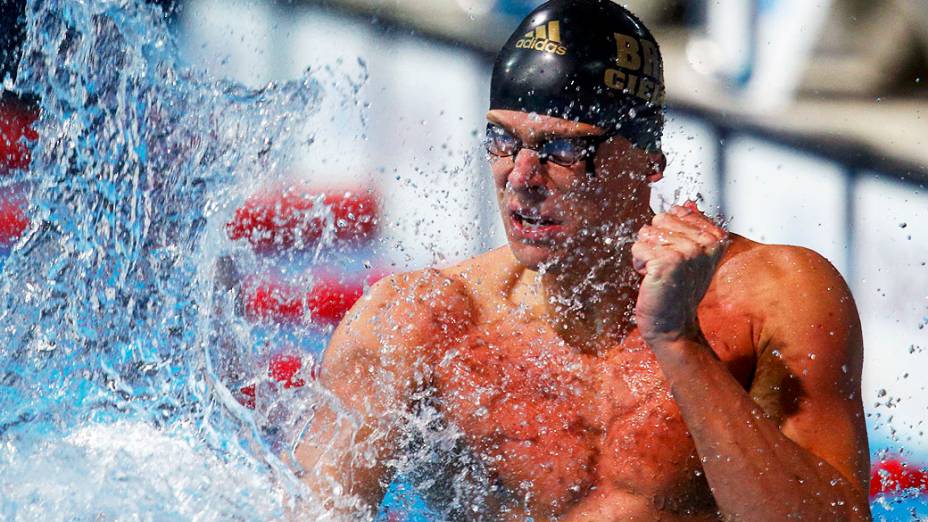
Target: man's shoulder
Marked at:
419, 290
769, 278
456, 289
487, 272
406, 311
759, 265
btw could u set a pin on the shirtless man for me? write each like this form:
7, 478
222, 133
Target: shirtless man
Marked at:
609, 363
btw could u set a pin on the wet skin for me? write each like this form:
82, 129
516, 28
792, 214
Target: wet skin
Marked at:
609, 373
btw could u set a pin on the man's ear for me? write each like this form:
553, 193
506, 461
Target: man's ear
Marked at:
657, 162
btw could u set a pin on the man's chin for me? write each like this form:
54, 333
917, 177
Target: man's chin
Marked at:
534, 256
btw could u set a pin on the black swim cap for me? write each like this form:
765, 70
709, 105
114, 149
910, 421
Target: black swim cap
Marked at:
585, 60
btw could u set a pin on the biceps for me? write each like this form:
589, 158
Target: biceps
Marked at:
808, 375
833, 430
815, 401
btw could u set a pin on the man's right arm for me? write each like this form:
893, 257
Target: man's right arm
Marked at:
372, 368
368, 380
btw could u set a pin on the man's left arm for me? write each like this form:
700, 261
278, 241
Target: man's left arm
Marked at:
795, 447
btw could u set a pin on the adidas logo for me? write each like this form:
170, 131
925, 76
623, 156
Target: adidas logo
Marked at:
545, 38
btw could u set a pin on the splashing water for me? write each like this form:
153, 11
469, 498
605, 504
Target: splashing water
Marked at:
109, 398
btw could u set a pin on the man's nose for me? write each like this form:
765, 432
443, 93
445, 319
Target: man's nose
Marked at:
528, 173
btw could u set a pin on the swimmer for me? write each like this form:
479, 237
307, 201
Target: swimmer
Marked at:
608, 363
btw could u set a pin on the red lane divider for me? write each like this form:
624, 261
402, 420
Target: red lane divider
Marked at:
283, 368
13, 220
287, 218
274, 301
330, 301
15, 124
326, 303
248, 396
297, 217
15, 131
893, 475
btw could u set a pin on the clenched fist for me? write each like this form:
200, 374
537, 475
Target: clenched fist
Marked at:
677, 254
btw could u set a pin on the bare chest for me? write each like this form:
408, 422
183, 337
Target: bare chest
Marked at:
554, 425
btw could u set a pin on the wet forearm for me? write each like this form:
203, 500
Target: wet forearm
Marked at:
754, 470
341, 481
335, 492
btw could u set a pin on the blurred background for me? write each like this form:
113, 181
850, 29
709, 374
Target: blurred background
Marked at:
800, 121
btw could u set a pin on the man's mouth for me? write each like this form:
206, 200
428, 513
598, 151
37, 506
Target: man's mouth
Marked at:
531, 219
532, 226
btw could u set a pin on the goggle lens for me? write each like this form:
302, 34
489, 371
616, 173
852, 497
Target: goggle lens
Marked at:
501, 143
562, 151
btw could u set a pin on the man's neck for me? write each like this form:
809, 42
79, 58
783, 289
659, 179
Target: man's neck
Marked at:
592, 306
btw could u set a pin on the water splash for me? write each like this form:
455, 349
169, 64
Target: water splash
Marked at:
106, 301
